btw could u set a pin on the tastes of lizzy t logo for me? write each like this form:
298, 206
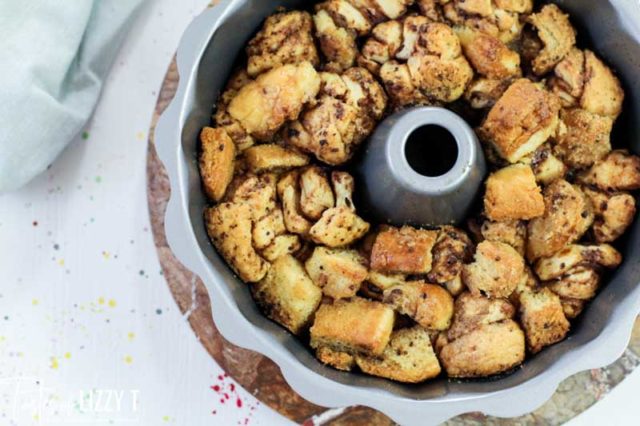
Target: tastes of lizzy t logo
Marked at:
29, 399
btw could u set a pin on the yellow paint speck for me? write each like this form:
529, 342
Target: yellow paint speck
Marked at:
35, 302
128, 359
67, 355
140, 136
54, 363
106, 255
166, 418
61, 262
101, 300
131, 335
112, 303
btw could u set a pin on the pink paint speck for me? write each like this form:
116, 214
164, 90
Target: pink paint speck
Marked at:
239, 402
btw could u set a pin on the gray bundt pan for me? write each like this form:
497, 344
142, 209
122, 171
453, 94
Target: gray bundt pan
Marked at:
205, 58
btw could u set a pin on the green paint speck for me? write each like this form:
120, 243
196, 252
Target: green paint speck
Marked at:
85, 135
98, 179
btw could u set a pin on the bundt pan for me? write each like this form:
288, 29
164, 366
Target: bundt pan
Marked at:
205, 58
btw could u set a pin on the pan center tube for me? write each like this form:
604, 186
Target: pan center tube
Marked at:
422, 166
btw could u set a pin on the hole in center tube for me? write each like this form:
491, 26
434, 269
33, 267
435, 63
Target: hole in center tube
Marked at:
431, 150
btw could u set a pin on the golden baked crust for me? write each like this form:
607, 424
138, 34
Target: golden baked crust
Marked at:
339, 22
453, 247
385, 281
337, 44
403, 250
280, 246
229, 227
496, 271
338, 360
315, 193
488, 350
512, 232
568, 79
258, 193
543, 319
572, 308
328, 131
518, 6
419, 61
581, 283
341, 119
409, 358
583, 80
343, 187
223, 120
475, 7
440, 71
485, 92
379, 10
429, 305
545, 165
400, 86
264, 105
557, 35
563, 222
513, 194
603, 92
523, 119
574, 255
583, 138
488, 55
338, 227
472, 311
432, 9
385, 41
289, 194
216, 161
528, 283
614, 213
355, 326
502, 20
287, 295
345, 15
618, 171
272, 158
284, 39
455, 286
267, 228
338, 272
364, 91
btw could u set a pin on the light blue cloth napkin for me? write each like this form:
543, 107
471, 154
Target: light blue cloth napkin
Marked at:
54, 56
